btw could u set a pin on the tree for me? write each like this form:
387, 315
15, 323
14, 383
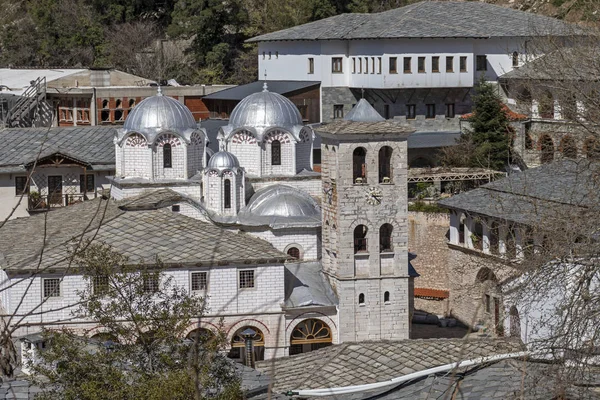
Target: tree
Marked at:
140, 352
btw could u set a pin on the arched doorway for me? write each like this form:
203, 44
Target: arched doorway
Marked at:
238, 345
547, 149
568, 147
310, 335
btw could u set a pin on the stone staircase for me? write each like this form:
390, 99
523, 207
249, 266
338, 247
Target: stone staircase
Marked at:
30, 109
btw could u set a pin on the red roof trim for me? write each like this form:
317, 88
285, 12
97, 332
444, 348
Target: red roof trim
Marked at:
435, 293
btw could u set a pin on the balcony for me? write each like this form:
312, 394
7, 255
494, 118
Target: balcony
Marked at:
41, 203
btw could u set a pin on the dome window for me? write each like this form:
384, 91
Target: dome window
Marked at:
294, 252
227, 194
167, 156
275, 152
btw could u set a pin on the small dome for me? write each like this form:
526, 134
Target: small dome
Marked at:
159, 113
265, 109
222, 160
283, 201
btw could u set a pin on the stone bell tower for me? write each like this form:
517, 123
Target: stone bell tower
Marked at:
364, 208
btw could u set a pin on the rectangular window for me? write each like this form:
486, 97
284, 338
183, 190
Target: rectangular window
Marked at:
359, 65
407, 65
353, 65
311, 65
449, 64
366, 65
379, 65
463, 64
86, 184
430, 111
21, 186
373, 65
51, 287
411, 111
336, 65
386, 111
488, 303
435, 64
481, 63
393, 65
100, 285
199, 281
338, 111
421, 65
151, 283
450, 110
247, 279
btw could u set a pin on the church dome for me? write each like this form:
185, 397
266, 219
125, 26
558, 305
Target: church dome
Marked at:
222, 160
283, 201
160, 113
265, 109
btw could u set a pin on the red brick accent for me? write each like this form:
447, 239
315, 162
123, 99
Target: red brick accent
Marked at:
512, 116
432, 293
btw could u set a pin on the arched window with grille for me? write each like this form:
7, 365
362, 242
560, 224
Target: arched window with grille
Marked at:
167, 156
385, 164
227, 194
275, 152
360, 239
385, 238
359, 165
361, 298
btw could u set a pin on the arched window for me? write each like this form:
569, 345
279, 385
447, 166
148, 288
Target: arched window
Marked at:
360, 239
546, 105
227, 194
294, 252
359, 165
238, 345
275, 152
547, 149
118, 111
386, 297
385, 164
105, 114
515, 322
515, 59
592, 149
167, 156
385, 238
309, 335
568, 147
203, 335
361, 298
131, 103
528, 142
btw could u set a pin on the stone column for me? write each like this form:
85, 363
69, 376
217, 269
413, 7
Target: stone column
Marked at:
502, 231
454, 228
535, 109
557, 110
580, 110
486, 237
520, 253
468, 231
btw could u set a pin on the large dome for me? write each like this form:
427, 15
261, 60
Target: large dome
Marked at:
160, 113
265, 109
283, 201
223, 160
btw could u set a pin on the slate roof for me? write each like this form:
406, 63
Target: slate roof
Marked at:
141, 235
369, 362
242, 91
425, 140
92, 145
535, 196
344, 127
305, 285
427, 19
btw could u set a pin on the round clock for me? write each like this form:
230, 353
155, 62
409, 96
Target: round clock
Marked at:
374, 196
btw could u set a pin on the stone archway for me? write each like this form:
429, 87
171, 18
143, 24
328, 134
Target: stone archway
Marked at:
238, 345
309, 335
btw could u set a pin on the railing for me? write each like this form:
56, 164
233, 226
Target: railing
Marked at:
50, 201
29, 101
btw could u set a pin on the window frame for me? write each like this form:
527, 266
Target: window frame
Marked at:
435, 64
354, 65
450, 107
275, 152
335, 63
407, 62
84, 179
366, 65
421, 68
462, 64
227, 193
51, 294
311, 65
205, 279
167, 155
26, 187
411, 111
379, 62
481, 63
373, 62
393, 65
97, 284
450, 64
151, 283
241, 279
430, 107
338, 111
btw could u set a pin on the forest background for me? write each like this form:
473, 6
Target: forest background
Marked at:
191, 41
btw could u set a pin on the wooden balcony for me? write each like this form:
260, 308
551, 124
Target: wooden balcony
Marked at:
41, 203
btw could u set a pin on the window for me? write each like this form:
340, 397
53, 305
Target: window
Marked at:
488, 303
275, 152
449, 64
463, 64
227, 194
167, 159
515, 59
247, 279
385, 164
435, 64
294, 252
393, 65
407, 62
359, 165
386, 297
481, 63
360, 239
175, 208
199, 281
378, 65
311, 65
373, 65
385, 238
430, 111
386, 111
421, 64
100, 285
263, 55
269, 55
21, 185
338, 111
51, 287
366, 65
276, 54
105, 114
353, 65
336, 65
86, 183
151, 283
450, 110
119, 110
361, 299
131, 103
411, 111
359, 65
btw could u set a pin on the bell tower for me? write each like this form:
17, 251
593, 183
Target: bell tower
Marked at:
364, 208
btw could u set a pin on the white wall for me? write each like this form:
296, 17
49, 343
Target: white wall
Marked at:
307, 240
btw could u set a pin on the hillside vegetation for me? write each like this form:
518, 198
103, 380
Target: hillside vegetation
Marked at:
192, 41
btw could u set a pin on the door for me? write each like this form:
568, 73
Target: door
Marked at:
55, 197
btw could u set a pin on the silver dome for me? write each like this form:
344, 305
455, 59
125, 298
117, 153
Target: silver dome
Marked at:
159, 113
283, 201
265, 109
363, 112
223, 160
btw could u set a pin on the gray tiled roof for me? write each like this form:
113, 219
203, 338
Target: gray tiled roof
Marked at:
141, 235
242, 91
424, 140
536, 195
368, 362
343, 127
305, 285
426, 19
92, 145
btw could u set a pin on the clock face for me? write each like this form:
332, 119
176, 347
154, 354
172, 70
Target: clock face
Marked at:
374, 196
